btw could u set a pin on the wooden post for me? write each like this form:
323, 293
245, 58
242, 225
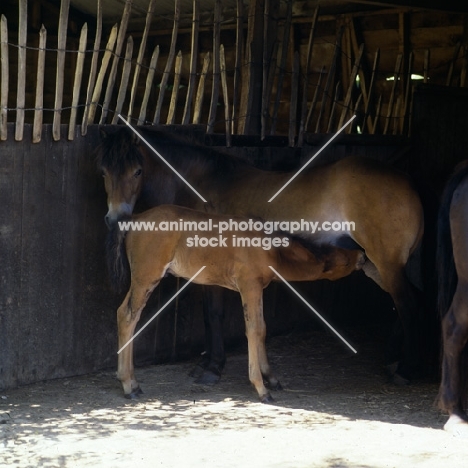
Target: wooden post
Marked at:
115, 61
282, 67
238, 63
124, 80
427, 56
170, 60
175, 89
333, 108
330, 77
406, 107
149, 84
141, 53
62, 44
78, 79
93, 69
102, 73
39, 102
201, 89
4, 84
314, 100
396, 77
294, 94
367, 120
352, 84
216, 67
306, 77
193, 62
21, 86
225, 96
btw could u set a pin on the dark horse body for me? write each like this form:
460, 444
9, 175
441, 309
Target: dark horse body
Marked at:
453, 298
381, 201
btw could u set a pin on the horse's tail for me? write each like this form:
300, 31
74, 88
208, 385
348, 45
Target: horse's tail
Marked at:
446, 274
118, 267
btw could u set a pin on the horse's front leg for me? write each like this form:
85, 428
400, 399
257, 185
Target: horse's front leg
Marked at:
208, 371
128, 315
453, 383
255, 329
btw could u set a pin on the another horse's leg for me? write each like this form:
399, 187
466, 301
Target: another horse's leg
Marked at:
255, 329
128, 315
455, 336
209, 369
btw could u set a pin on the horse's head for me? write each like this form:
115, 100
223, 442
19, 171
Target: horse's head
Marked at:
121, 164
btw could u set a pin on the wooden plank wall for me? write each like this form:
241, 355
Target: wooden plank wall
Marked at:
292, 75
57, 313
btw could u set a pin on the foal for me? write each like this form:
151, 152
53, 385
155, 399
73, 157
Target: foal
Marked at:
149, 255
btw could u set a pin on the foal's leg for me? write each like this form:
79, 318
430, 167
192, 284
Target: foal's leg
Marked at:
208, 371
128, 315
455, 336
255, 329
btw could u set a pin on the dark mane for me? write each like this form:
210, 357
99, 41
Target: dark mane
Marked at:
118, 151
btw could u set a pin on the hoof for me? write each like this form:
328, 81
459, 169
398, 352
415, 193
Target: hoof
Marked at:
457, 426
267, 399
134, 395
274, 385
208, 378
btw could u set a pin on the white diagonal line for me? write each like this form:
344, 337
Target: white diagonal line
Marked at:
160, 156
312, 158
313, 310
161, 309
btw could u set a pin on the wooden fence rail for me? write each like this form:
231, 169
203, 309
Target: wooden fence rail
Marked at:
107, 81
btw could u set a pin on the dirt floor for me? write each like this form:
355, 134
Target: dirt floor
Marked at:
336, 410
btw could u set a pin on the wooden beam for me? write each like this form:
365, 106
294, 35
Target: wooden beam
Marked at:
149, 84
39, 102
216, 67
4, 62
21, 78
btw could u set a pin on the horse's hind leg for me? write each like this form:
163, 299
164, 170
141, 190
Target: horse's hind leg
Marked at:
455, 336
255, 329
128, 315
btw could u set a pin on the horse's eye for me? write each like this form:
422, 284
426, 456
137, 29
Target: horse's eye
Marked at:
137, 173
103, 174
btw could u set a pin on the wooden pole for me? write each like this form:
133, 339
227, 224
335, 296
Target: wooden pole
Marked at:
225, 96
201, 89
293, 105
4, 85
124, 80
306, 77
216, 67
396, 77
141, 53
333, 109
170, 61
367, 120
115, 61
427, 57
21, 83
314, 100
175, 89
238, 63
352, 84
193, 62
93, 69
77, 81
149, 84
282, 67
102, 73
39, 103
62, 44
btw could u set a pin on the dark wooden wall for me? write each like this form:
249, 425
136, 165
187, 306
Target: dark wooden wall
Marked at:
57, 313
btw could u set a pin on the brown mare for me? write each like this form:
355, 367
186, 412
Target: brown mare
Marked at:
381, 201
453, 298
150, 255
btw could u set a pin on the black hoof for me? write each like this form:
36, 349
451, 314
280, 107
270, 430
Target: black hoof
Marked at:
267, 399
276, 386
208, 378
135, 394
